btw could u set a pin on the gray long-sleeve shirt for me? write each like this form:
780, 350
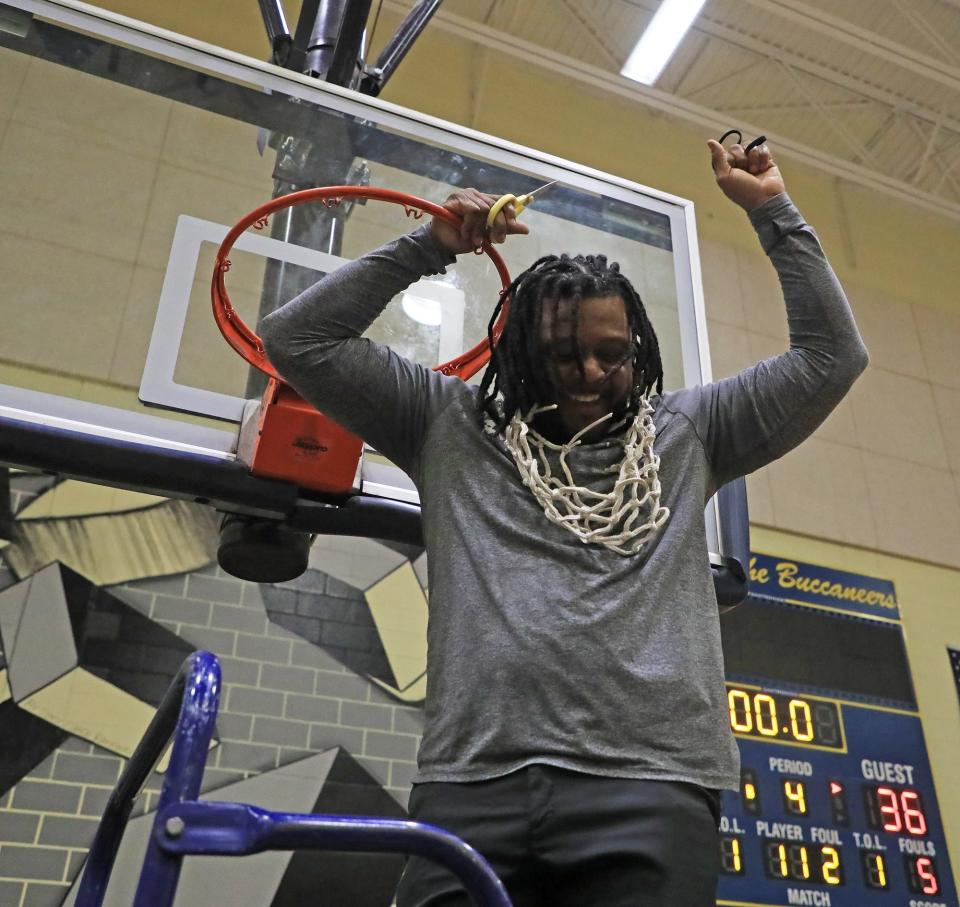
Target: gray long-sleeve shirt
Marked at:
541, 648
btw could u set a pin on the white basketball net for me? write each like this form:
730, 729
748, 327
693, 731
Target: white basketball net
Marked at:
610, 518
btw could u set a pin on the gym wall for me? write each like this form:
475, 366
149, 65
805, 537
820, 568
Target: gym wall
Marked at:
874, 491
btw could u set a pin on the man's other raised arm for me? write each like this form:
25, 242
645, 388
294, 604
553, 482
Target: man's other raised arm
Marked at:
758, 415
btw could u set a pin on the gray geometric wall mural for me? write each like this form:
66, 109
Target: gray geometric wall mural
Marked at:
77, 662
25, 742
290, 693
365, 603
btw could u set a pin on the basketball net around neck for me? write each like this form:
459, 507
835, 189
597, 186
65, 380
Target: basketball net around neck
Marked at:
611, 518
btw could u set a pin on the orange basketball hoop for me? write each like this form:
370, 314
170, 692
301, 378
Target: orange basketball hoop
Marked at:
286, 438
248, 344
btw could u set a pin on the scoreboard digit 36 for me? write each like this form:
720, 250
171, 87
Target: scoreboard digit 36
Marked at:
836, 805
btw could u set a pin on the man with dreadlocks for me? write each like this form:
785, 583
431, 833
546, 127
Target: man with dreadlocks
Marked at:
562, 309
575, 729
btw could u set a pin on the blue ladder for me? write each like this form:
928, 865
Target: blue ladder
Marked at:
185, 826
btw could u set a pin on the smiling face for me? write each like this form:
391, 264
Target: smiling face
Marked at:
600, 333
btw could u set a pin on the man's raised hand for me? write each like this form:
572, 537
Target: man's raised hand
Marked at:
473, 207
747, 177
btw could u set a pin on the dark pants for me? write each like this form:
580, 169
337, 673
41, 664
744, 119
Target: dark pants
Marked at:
563, 839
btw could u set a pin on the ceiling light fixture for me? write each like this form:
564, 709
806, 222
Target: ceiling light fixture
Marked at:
661, 38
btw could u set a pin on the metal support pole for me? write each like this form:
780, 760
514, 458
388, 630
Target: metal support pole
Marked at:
397, 47
301, 37
331, 53
323, 38
345, 66
281, 41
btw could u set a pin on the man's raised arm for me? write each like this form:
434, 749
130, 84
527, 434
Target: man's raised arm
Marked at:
756, 416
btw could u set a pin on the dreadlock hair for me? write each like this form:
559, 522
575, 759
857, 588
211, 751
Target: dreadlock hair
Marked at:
516, 371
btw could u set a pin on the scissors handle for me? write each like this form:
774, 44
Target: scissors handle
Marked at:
518, 205
518, 202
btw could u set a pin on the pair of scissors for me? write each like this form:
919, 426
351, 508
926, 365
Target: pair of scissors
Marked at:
756, 143
519, 203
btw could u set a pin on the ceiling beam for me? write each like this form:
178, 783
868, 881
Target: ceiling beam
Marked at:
946, 170
588, 28
694, 58
892, 118
737, 72
835, 123
766, 109
705, 118
837, 29
928, 31
931, 142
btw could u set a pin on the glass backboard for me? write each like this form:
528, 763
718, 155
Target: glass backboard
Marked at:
126, 154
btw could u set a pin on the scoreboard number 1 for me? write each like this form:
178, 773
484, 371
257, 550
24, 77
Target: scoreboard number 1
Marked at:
794, 862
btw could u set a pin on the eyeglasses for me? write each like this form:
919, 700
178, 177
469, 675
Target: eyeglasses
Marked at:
610, 361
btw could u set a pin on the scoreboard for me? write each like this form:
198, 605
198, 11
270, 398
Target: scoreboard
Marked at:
836, 804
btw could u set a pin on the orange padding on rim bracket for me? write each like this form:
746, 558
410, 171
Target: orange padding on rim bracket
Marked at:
286, 438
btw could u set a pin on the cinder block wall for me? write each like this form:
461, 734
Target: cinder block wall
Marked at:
283, 699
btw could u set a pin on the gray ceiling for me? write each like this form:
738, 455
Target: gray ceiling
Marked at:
864, 89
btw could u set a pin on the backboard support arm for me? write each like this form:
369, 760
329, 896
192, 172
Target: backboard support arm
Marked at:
281, 41
375, 77
329, 40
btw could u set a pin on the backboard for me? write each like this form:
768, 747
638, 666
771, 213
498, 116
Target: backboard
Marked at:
126, 154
